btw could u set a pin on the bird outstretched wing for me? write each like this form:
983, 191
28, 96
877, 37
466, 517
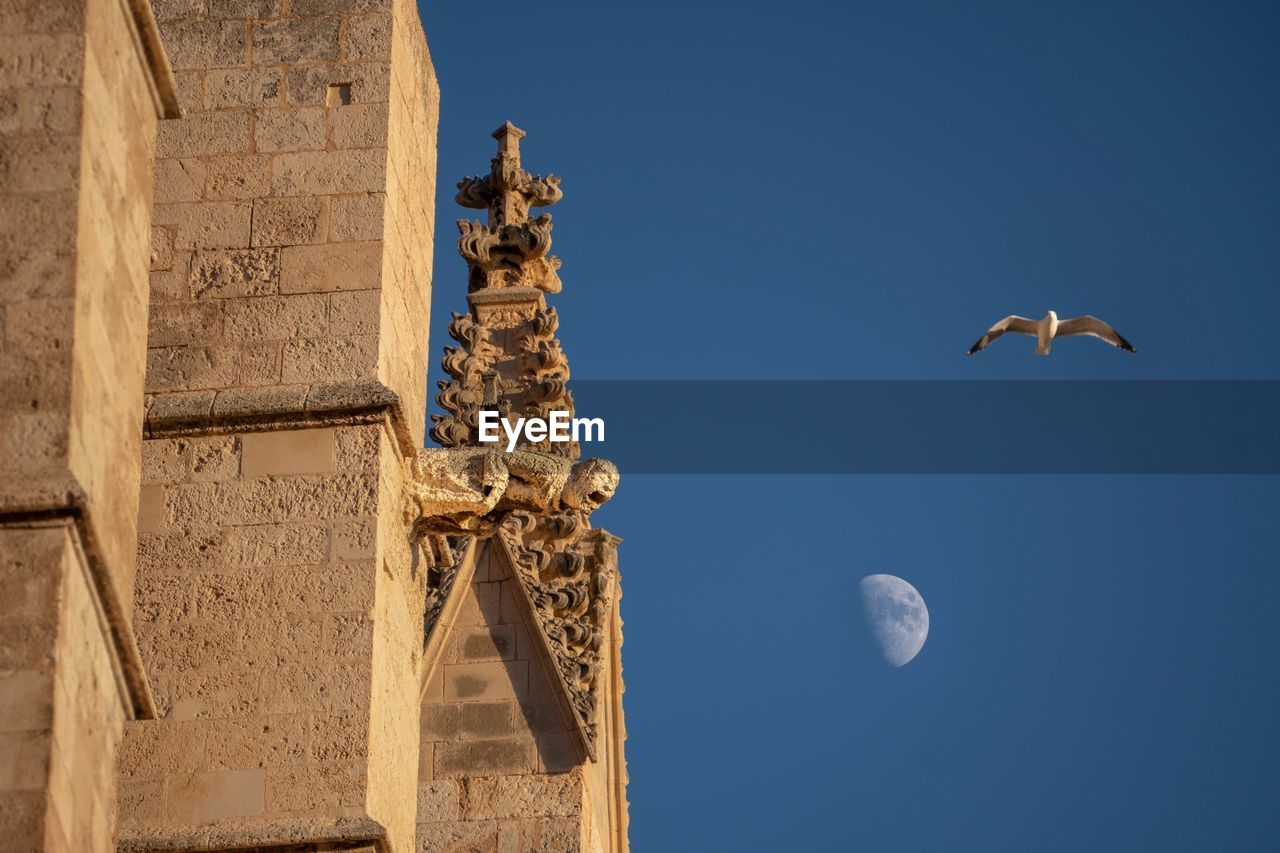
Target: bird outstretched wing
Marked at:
1012, 323
1093, 327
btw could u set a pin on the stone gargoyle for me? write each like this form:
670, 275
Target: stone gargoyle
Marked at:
467, 490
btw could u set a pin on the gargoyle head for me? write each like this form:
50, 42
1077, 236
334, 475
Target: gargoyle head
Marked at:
591, 483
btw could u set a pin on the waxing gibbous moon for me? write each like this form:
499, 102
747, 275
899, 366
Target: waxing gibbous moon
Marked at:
896, 615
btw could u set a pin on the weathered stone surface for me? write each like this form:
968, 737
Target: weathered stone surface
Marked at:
286, 42
224, 274
289, 221
206, 44
332, 266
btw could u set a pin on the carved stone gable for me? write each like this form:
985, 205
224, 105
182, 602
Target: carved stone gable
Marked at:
567, 575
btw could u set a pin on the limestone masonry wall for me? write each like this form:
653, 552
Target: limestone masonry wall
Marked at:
293, 205
79, 98
279, 605
260, 618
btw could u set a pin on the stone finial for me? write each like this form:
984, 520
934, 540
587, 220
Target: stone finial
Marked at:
510, 360
508, 191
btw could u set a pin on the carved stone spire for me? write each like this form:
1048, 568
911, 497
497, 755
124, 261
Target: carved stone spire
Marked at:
510, 359
535, 503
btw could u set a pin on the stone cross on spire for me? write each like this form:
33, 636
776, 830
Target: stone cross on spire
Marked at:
510, 359
508, 191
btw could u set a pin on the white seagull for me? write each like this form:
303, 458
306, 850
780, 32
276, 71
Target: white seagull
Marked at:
1050, 327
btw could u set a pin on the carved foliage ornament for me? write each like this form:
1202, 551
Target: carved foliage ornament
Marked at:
567, 575
509, 359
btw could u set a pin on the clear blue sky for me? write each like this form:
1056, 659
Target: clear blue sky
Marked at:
768, 190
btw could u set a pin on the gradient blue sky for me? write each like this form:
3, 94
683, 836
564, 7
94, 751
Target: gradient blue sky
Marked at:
770, 190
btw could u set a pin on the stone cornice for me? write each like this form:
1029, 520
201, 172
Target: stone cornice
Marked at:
300, 835
346, 403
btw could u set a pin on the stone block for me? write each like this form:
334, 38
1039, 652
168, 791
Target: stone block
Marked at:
338, 737
26, 700
506, 797
153, 749
303, 451
440, 722
290, 129
335, 7
206, 225
288, 545
241, 177
368, 37
359, 126
190, 90
277, 317
164, 461
354, 539
552, 835
181, 405
272, 741
174, 323
317, 359
480, 605
367, 82
161, 248
477, 682
191, 368
208, 796
215, 458
178, 10
205, 44
259, 9
39, 164
228, 88
485, 719
289, 221
184, 551
329, 172
260, 364
488, 643
244, 272
151, 512
356, 217
329, 786
484, 758
457, 837
346, 638
205, 133
214, 694
329, 267
559, 752
295, 40
355, 312
173, 284
439, 800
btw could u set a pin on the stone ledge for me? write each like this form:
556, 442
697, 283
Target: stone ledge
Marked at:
289, 835
345, 403
63, 499
164, 88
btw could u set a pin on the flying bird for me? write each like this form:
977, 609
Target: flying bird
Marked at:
1050, 327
